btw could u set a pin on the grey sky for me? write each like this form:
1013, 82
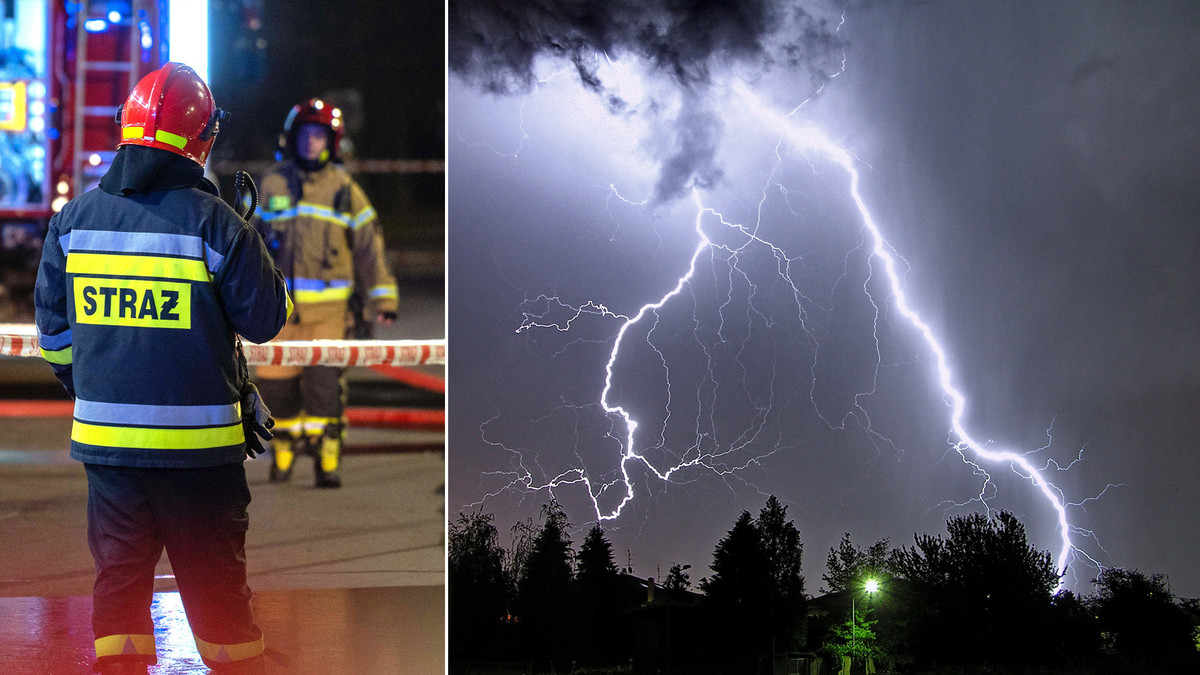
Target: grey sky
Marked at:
1034, 163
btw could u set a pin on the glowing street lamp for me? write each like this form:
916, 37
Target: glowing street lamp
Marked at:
870, 586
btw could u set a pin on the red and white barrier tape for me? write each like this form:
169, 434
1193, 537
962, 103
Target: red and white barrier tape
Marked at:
347, 353
340, 353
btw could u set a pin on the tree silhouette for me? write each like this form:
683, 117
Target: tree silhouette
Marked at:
677, 578
595, 564
848, 568
1075, 629
600, 600
740, 576
974, 600
979, 591
848, 563
756, 591
738, 591
783, 551
516, 558
544, 596
477, 585
1140, 620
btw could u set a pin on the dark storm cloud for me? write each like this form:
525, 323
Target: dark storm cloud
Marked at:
696, 133
496, 45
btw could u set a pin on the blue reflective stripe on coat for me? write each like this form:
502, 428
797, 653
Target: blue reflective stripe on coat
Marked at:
155, 243
157, 415
54, 342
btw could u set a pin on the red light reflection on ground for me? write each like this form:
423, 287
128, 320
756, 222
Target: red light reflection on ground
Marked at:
336, 631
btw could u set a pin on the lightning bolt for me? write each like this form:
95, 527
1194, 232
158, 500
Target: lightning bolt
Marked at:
966, 445
552, 313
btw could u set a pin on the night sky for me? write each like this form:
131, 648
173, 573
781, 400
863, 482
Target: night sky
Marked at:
1033, 168
383, 63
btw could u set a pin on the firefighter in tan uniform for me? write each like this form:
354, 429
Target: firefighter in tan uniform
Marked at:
324, 237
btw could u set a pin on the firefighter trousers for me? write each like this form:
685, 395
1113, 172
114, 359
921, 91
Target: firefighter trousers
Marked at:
307, 402
292, 392
199, 516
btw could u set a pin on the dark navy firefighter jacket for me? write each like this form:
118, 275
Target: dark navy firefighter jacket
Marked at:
141, 289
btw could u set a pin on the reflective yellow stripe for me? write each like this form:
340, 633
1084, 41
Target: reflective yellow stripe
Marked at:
290, 424
170, 138
320, 212
115, 645
327, 217
362, 217
157, 439
284, 455
289, 304
331, 450
315, 426
218, 653
326, 295
132, 132
137, 266
61, 357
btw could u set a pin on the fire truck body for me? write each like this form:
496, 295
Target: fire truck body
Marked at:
65, 69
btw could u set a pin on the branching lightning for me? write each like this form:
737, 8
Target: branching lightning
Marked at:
610, 497
966, 445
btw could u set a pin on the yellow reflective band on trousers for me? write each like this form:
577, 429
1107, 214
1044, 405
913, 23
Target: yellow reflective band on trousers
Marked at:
292, 425
133, 302
118, 645
331, 451
183, 269
218, 653
315, 426
157, 439
61, 357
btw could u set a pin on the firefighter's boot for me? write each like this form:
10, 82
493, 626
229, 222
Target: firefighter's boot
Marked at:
329, 457
283, 457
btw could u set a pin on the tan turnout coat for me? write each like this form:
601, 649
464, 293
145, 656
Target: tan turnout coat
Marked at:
324, 236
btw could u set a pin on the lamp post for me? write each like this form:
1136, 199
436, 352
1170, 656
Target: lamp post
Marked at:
870, 586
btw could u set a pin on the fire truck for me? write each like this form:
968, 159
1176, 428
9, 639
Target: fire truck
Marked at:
65, 69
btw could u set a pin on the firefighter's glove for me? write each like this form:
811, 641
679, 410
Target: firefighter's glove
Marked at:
256, 420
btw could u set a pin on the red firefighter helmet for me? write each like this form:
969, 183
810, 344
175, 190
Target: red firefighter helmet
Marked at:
313, 111
173, 110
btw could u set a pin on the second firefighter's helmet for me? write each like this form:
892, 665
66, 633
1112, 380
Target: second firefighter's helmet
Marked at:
313, 111
173, 110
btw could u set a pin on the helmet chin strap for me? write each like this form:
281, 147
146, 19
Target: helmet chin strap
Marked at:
214, 124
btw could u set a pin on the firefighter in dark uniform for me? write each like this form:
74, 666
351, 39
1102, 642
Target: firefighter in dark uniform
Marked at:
142, 288
325, 238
